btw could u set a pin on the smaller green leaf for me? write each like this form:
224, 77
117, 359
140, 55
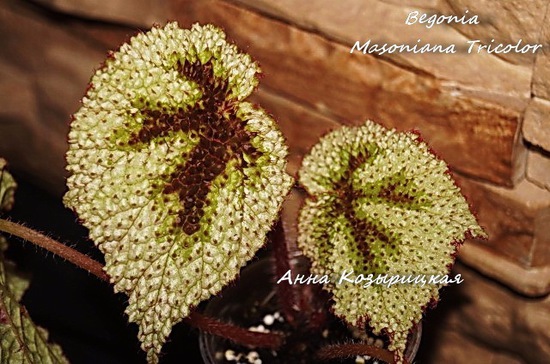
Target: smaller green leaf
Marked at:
381, 203
22, 341
7, 187
16, 281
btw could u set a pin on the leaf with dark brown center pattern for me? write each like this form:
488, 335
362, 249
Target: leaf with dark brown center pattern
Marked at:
381, 204
177, 178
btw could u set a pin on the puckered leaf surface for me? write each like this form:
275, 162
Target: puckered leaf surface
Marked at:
176, 176
380, 203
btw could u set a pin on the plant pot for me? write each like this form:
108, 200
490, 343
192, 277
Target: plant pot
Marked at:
247, 302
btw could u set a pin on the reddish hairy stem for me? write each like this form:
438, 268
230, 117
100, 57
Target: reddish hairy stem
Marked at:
287, 298
346, 350
207, 324
70, 254
301, 304
234, 333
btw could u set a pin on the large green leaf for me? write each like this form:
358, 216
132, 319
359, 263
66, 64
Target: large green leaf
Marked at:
177, 178
381, 203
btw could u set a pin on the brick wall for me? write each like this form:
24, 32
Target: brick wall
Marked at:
487, 115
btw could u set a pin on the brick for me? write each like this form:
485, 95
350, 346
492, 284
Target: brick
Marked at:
541, 71
541, 249
538, 168
451, 346
506, 22
135, 12
536, 123
509, 216
530, 282
497, 318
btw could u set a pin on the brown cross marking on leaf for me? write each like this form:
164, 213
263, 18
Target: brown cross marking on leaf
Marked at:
367, 231
222, 138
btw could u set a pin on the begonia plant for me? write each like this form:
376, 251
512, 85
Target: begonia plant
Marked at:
179, 180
